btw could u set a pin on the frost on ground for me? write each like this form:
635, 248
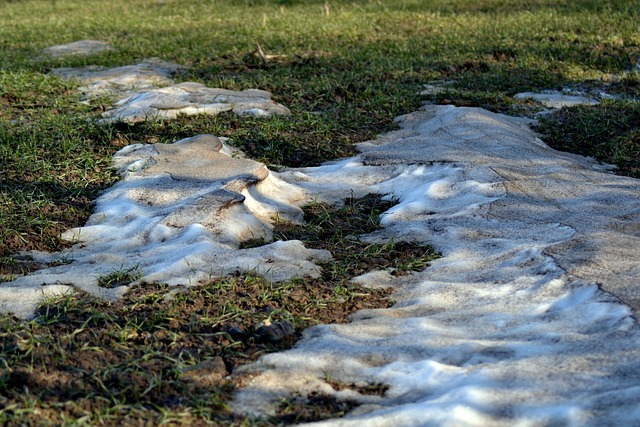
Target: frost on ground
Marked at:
528, 319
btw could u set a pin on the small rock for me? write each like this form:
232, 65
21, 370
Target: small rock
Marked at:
276, 331
268, 308
234, 331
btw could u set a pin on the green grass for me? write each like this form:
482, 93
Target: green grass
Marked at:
53, 157
148, 358
338, 230
120, 277
609, 132
344, 74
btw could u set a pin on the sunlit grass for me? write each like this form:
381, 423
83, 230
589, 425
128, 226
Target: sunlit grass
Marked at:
345, 72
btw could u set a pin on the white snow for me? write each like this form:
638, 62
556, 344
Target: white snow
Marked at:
189, 99
557, 99
527, 320
146, 91
178, 217
122, 81
80, 47
498, 331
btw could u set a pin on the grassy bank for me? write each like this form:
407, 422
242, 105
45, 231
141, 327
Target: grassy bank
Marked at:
345, 69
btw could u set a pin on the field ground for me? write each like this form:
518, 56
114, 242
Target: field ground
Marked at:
345, 69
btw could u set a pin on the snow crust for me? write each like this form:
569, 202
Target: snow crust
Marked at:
529, 319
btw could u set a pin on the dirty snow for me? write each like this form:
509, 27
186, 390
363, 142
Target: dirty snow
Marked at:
122, 81
528, 319
80, 47
557, 99
189, 99
179, 217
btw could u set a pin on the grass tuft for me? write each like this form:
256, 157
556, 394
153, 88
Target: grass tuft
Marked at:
338, 230
121, 277
609, 132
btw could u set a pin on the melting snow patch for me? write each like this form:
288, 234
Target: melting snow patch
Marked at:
81, 47
190, 99
555, 99
147, 91
178, 217
121, 81
436, 87
496, 332
528, 319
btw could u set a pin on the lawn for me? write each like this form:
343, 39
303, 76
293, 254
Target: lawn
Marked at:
345, 69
